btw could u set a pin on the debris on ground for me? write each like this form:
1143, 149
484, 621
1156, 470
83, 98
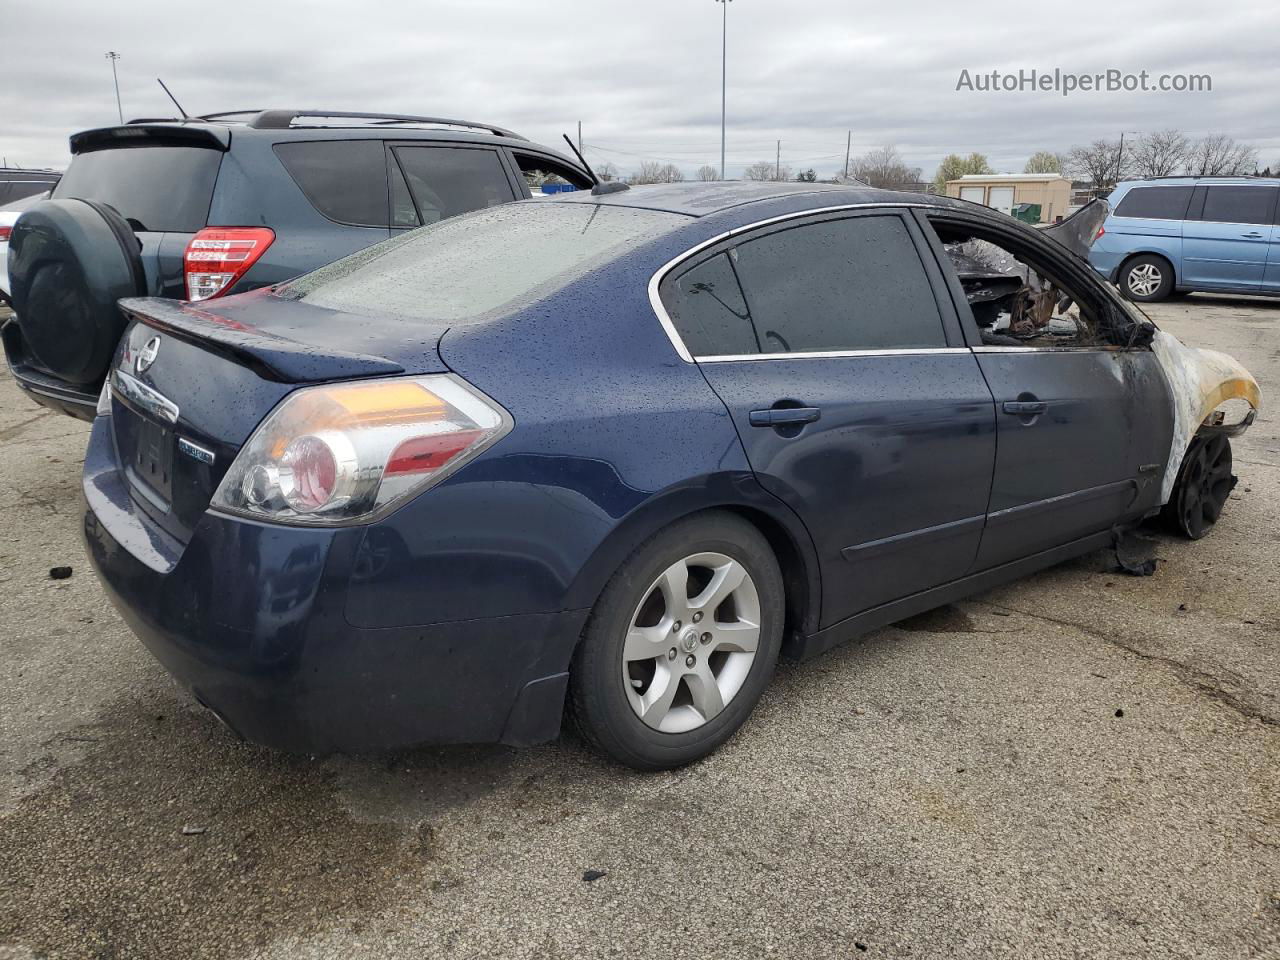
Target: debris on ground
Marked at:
190, 831
1133, 553
59, 573
591, 876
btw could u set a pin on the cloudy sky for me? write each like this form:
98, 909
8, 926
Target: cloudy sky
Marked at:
644, 78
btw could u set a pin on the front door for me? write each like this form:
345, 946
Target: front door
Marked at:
1226, 237
855, 406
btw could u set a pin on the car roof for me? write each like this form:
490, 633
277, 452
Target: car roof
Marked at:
1195, 181
699, 199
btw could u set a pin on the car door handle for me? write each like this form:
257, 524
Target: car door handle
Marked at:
1025, 408
784, 416
1252, 236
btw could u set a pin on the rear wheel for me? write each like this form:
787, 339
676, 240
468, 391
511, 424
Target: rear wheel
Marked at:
680, 645
1204, 483
1147, 278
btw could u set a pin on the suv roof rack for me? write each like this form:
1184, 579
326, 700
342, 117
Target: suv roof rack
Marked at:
260, 119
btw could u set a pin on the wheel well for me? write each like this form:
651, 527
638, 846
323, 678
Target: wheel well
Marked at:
1145, 253
801, 604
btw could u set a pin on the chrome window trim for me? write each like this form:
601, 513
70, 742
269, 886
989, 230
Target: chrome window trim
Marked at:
660, 274
829, 354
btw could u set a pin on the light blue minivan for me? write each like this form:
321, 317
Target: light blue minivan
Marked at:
1179, 234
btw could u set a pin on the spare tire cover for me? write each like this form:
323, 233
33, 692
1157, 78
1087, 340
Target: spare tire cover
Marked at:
69, 262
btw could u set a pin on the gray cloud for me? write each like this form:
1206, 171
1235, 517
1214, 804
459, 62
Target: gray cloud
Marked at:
645, 79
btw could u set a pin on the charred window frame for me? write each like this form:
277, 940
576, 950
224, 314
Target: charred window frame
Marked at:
1115, 327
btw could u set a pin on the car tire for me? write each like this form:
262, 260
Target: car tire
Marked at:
1147, 278
1204, 483
659, 712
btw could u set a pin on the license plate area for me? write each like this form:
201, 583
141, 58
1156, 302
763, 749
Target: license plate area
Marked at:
152, 463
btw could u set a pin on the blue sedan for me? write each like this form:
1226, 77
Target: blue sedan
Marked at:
611, 453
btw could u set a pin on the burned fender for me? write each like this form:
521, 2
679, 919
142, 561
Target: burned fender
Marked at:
1201, 381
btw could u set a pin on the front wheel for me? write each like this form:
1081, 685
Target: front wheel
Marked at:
1204, 482
680, 644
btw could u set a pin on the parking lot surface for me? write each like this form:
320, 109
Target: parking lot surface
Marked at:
1083, 763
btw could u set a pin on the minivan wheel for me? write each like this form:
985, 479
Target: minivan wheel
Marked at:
1204, 483
1147, 278
680, 644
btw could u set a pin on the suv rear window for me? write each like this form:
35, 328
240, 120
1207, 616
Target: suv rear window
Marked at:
1239, 204
346, 180
1155, 203
471, 266
156, 188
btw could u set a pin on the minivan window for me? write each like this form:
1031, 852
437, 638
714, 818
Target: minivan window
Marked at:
156, 188
708, 311
1155, 203
1239, 204
345, 180
469, 267
447, 181
851, 284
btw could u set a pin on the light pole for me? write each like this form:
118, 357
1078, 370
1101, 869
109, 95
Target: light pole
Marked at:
724, 54
113, 57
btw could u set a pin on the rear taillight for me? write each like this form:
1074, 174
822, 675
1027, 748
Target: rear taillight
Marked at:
217, 257
1100, 232
5, 233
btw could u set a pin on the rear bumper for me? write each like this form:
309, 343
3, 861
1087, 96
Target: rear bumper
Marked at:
43, 389
249, 617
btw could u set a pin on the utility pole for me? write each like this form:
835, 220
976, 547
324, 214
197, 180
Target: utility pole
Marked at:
579, 136
1120, 154
724, 60
777, 163
113, 57
848, 144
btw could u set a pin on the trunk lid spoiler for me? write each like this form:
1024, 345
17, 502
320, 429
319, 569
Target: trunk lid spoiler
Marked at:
1079, 230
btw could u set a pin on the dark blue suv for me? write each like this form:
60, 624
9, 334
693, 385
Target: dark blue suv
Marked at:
220, 204
620, 450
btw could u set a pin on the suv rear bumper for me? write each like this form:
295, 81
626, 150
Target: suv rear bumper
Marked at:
249, 617
43, 389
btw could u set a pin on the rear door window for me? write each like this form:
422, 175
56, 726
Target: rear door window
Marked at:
708, 310
1155, 203
1239, 204
447, 181
851, 284
155, 188
345, 180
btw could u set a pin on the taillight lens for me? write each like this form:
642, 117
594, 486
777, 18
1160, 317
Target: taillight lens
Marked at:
1100, 232
217, 257
5, 233
346, 453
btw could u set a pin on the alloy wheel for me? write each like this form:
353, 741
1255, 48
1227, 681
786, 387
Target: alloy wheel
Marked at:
1206, 484
691, 642
1145, 279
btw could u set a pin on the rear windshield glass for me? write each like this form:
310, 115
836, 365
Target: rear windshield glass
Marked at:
165, 189
470, 266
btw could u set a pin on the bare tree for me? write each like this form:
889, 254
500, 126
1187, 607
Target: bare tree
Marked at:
606, 171
1099, 162
1159, 154
954, 166
884, 168
1217, 155
760, 170
708, 172
1045, 161
651, 171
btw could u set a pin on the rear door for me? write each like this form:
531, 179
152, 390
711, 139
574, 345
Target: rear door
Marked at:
854, 399
431, 182
1226, 236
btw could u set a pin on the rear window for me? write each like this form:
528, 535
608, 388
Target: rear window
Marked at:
469, 267
1239, 204
19, 188
346, 180
1155, 203
162, 189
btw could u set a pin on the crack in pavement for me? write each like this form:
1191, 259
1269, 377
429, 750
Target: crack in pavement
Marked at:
1196, 680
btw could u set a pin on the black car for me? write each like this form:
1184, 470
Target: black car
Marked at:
225, 203
18, 183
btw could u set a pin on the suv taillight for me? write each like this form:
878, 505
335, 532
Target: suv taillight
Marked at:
5, 233
217, 257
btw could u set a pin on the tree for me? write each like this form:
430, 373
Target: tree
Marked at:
1159, 154
954, 166
1098, 162
1044, 161
651, 171
760, 170
807, 176
606, 171
885, 168
708, 172
1217, 155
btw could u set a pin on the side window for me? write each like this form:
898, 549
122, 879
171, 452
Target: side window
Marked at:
851, 284
447, 181
403, 213
708, 311
1239, 204
544, 176
346, 180
1017, 299
1155, 203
